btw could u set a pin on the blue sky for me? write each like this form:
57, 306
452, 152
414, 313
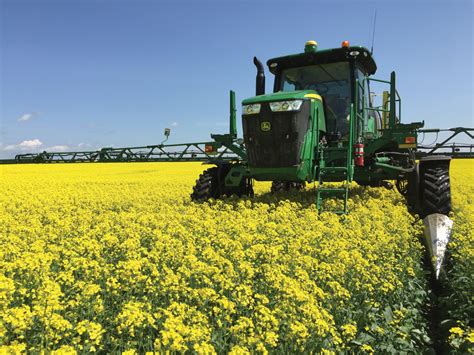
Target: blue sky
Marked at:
82, 74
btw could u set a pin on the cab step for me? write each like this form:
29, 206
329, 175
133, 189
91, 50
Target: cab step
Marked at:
333, 170
332, 190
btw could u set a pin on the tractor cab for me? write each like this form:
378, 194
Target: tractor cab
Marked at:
333, 75
332, 82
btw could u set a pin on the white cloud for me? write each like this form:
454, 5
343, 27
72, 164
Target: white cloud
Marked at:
27, 116
32, 144
85, 146
174, 124
57, 148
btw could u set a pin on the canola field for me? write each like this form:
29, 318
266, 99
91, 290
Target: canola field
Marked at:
116, 258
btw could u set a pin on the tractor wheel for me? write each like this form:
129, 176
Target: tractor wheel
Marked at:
402, 186
298, 186
211, 184
278, 186
436, 190
207, 186
245, 188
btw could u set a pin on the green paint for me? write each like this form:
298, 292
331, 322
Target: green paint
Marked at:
232, 116
279, 96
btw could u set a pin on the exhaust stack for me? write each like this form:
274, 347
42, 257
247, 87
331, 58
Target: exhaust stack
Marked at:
260, 79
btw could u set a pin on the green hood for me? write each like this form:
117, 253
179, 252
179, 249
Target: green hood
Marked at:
279, 96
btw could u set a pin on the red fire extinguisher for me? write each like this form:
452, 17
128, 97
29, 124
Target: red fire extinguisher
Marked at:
359, 154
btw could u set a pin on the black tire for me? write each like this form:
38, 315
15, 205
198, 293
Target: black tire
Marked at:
298, 185
207, 185
278, 186
211, 184
436, 190
402, 186
245, 188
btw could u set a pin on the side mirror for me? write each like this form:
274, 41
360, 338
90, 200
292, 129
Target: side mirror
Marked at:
167, 134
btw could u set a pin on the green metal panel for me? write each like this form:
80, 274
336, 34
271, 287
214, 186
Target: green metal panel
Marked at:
271, 174
236, 174
392, 116
279, 96
232, 116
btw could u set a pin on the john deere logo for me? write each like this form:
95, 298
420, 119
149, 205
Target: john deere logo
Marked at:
265, 126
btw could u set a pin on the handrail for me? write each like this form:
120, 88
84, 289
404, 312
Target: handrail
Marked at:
381, 109
349, 163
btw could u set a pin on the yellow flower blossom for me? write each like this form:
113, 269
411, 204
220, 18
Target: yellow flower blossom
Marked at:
116, 258
349, 331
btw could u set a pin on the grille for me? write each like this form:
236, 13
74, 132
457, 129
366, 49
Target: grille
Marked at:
280, 146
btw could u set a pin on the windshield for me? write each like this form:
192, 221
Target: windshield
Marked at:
330, 79
332, 82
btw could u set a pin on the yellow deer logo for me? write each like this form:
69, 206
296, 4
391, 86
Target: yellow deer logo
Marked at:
265, 126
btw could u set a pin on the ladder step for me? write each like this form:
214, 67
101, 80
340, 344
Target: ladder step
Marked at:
337, 170
340, 156
335, 190
334, 149
334, 168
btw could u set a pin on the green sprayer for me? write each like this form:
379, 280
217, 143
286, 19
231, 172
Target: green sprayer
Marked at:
321, 123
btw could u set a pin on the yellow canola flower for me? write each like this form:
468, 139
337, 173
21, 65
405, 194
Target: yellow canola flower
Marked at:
116, 258
349, 331
367, 349
461, 276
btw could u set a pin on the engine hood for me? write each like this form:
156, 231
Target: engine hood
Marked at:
283, 95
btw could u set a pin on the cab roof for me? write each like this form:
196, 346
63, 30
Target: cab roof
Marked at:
361, 54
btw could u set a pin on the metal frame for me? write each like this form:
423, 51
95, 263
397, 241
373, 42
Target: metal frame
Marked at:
455, 150
161, 152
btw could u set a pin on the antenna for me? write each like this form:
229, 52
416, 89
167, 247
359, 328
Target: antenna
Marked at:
373, 32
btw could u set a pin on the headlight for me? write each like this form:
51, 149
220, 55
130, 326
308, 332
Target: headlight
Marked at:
251, 109
293, 105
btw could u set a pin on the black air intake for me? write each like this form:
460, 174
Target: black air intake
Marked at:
278, 146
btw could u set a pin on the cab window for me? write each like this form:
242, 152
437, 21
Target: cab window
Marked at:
371, 117
332, 82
